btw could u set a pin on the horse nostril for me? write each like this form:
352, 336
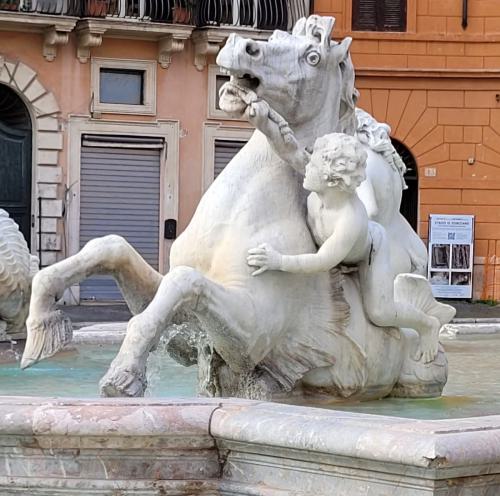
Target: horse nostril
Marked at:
252, 48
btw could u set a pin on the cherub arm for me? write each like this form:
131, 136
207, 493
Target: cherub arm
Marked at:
366, 193
331, 253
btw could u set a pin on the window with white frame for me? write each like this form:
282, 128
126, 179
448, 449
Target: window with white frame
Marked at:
220, 144
124, 86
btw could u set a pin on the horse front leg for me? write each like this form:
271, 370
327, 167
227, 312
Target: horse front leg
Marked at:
48, 329
226, 315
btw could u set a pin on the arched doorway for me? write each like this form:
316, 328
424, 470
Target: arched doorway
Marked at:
15, 159
409, 202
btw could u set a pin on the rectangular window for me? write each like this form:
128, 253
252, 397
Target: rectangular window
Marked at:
121, 86
220, 80
379, 15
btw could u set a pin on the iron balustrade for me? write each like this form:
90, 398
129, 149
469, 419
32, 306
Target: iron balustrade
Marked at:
169, 11
258, 14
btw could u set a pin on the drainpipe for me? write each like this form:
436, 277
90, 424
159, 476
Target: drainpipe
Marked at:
465, 21
40, 230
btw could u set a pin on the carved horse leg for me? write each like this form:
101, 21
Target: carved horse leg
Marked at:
47, 328
226, 314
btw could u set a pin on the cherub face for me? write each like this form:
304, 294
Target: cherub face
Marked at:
313, 179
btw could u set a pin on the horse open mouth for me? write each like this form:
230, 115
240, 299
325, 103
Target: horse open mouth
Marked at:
244, 80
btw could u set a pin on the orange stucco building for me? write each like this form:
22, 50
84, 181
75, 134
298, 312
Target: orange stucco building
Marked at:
436, 84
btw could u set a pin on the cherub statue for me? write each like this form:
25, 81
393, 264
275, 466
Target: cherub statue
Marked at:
346, 237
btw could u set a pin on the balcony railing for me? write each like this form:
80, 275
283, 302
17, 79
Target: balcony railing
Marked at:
259, 14
169, 11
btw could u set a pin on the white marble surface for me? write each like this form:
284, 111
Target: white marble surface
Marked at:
237, 447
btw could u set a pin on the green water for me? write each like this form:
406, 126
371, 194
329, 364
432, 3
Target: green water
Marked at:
472, 390
76, 373
473, 387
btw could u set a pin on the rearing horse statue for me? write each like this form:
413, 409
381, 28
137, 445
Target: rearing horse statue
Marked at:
277, 334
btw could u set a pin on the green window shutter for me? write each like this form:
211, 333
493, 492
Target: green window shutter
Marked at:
379, 15
364, 15
394, 15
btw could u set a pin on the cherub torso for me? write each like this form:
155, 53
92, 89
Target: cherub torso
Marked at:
323, 223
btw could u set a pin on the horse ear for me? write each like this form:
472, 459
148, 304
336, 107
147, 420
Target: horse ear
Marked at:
300, 27
342, 48
320, 29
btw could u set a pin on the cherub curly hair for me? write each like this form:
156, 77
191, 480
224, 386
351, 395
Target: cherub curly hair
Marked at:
343, 160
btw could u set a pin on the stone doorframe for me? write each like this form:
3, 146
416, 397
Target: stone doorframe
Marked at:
47, 142
169, 178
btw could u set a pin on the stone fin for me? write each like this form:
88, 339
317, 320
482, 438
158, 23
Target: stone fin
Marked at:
415, 289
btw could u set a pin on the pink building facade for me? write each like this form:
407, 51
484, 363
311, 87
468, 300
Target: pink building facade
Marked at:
109, 118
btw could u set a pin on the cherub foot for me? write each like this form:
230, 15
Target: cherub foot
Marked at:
123, 381
429, 341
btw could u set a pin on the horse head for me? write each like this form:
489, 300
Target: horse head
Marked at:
304, 76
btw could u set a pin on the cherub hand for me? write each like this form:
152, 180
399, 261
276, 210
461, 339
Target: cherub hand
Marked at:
265, 257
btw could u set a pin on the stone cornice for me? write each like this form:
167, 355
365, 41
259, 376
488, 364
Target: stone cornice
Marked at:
170, 37
426, 73
208, 41
136, 29
25, 22
55, 29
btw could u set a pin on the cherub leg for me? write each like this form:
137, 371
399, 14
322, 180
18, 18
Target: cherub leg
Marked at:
377, 285
224, 314
47, 328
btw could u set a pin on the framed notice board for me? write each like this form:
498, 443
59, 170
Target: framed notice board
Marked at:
451, 252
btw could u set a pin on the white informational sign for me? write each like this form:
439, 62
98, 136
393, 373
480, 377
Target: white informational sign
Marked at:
451, 247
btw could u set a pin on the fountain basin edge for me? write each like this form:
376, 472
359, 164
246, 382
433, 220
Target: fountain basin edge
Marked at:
224, 447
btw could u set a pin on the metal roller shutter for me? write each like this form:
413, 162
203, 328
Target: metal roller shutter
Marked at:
224, 151
119, 194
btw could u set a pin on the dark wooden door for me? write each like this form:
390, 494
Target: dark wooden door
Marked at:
15, 176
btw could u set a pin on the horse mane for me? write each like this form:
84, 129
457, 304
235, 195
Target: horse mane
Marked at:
348, 98
357, 122
377, 136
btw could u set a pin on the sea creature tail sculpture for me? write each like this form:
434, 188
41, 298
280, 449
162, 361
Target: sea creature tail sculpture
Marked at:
17, 268
415, 289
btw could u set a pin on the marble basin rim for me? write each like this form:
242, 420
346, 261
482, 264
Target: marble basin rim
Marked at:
237, 447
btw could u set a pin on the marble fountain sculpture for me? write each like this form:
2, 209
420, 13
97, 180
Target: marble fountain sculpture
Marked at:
282, 333
276, 300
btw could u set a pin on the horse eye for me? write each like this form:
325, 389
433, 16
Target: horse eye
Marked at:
313, 58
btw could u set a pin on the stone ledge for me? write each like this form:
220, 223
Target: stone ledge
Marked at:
437, 446
236, 447
455, 330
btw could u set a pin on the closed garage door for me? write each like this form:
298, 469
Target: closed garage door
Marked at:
225, 150
119, 194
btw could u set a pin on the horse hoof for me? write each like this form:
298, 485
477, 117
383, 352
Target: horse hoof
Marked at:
125, 382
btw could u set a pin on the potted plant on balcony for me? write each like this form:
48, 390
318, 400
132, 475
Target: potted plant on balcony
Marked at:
183, 11
9, 4
97, 8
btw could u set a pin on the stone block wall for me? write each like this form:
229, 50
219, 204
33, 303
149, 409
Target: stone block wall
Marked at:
438, 87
